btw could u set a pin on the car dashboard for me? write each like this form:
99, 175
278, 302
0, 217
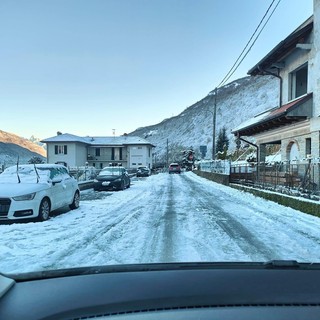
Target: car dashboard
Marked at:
274, 290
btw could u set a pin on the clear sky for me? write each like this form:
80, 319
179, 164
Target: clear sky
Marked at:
87, 67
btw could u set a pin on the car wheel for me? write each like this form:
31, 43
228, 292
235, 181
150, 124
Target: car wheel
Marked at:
44, 210
121, 186
76, 201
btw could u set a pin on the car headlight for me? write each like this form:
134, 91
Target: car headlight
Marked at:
25, 197
95, 180
118, 179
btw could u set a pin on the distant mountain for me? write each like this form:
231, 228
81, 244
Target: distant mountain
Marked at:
236, 102
13, 146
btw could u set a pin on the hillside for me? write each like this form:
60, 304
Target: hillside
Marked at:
12, 146
236, 102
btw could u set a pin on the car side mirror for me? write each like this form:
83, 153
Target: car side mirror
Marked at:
56, 180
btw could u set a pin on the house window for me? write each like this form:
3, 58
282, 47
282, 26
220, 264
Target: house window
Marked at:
101, 165
298, 81
60, 149
308, 146
97, 152
112, 153
120, 153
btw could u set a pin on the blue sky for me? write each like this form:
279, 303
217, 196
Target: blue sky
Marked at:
87, 67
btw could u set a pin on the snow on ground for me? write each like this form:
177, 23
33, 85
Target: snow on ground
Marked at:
162, 218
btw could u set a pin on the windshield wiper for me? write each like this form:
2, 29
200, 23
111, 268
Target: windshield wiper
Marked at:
5, 285
57, 273
35, 169
284, 264
18, 170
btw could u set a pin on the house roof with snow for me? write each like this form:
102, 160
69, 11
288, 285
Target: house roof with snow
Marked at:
65, 137
294, 111
98, 141
120, 141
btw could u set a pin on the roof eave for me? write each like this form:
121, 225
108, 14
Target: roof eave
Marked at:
282, 49
282, 118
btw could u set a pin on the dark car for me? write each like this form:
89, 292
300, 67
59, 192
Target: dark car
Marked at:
174, 168
143, 172
112, 178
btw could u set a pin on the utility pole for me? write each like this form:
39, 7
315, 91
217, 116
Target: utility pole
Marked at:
167, 153
214, 116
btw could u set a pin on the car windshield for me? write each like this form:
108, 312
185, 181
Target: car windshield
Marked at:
25, 174
162, 131
111, 171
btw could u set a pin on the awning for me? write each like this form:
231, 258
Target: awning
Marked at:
294, 111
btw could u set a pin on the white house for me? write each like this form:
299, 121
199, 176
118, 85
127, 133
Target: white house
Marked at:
74, 151
294, 123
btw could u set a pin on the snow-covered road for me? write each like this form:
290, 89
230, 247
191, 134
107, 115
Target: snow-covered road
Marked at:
163, 218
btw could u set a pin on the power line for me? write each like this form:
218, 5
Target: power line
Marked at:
236, 65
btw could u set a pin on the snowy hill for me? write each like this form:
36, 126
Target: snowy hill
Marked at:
236, 102
12, 146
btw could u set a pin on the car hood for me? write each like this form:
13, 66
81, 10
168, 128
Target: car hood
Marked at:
19, 189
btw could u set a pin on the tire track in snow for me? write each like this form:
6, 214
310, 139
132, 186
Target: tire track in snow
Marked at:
288, 233
158, 246
91, 236
127, 235
240, 234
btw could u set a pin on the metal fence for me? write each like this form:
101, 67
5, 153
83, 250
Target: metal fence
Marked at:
301, 176
215, 166
87, 173
287, 177
84, 173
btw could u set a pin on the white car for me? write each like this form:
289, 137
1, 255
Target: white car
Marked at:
33, 191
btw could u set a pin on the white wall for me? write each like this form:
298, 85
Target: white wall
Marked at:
139, 155
76, 155
81, 153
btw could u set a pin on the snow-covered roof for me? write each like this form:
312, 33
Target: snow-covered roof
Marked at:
252, 121
95, 141
122, 140
296, 110
65, 137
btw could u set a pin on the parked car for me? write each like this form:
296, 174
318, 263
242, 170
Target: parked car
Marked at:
174, 168
34, 190
143, 172
112, 178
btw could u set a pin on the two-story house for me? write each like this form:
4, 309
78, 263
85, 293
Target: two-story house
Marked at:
74, 151
294, 124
